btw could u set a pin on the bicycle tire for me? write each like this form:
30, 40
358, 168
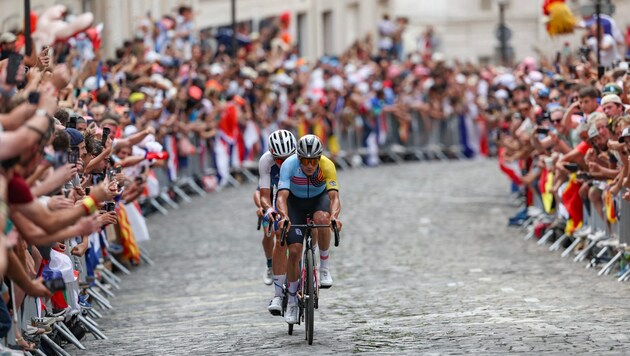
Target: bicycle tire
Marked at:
290, 329
310, 291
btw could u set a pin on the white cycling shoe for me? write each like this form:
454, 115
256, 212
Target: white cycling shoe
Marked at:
291, 315
275, 306
325, 278
268, 276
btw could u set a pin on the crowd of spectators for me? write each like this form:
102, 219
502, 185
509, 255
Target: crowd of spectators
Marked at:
83, 135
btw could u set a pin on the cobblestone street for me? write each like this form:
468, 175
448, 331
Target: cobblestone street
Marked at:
426, 265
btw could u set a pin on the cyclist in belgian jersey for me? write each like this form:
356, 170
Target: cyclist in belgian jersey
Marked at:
308, 186
281, 145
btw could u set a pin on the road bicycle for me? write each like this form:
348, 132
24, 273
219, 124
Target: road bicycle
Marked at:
308, 292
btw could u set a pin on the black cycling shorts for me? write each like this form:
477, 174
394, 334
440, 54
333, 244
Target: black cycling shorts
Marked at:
299, 208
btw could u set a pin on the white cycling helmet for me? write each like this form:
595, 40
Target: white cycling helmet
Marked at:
310, 147
281, 143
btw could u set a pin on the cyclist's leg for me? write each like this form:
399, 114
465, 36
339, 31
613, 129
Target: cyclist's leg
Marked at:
322, 217
295, 238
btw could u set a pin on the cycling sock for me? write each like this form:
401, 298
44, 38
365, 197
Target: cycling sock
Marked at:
293, 287
269, 263
323, 258
278, 282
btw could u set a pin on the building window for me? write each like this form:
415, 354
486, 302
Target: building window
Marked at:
485, 5
327, 22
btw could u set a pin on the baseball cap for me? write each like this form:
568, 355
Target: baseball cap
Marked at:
543, 93
611, 98
611, 88
592, 132
135, 97
7, 37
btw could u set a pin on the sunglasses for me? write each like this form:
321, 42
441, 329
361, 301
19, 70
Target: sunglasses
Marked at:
556, 121
311, 161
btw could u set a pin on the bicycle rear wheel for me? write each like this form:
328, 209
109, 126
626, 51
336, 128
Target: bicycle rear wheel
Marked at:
310, 293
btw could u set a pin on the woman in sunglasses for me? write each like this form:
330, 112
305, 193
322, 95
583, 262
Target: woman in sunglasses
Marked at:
307, 186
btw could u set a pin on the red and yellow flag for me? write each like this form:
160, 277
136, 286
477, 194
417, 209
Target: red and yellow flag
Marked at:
609, 203
545, 185
572, 201
127, 240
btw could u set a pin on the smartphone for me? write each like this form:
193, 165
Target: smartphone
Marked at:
110, 206
118, 170
72, 122
97, 178
584, 176
15, 62
542, 130
55, 285
571, 167
73, 155
139, 180
88, 190
33, 98
81, 103
106, 132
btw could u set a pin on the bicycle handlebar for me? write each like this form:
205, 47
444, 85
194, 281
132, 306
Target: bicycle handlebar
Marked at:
259, 223
332, 224
336, 231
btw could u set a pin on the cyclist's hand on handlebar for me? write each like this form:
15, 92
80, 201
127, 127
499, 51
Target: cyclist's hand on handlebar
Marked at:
284, 221
271, 214
339, 224
260, 212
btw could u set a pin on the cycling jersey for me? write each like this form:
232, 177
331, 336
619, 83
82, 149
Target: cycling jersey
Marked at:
268, 171
293, 179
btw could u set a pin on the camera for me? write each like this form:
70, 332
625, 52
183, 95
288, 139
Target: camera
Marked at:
72, 122
571, 167
110, 206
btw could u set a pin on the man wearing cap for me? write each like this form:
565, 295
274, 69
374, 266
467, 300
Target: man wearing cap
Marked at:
612, 105
137, 101
7, 45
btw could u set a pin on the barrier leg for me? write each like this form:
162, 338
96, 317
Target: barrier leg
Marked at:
154, 203
582, 255
570, 249
624, 276
190, 182
67, 334
90, 320
146, 259
167, 199
556, 245
56, 348
99, 298
545, 237
105, 290
593, 261
91, 328
94, 314
181, 193
110, 281
119, 266
606, 269
111, 275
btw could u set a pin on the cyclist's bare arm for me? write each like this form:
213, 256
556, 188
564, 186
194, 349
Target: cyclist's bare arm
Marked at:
335, 206
281, 203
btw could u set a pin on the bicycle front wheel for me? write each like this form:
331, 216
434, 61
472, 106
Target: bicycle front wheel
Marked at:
310, 293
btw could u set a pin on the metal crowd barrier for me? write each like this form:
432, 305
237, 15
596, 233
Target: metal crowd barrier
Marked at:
439, 141
606, 242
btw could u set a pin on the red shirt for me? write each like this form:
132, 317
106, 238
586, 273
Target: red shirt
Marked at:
19, 191
582, 147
